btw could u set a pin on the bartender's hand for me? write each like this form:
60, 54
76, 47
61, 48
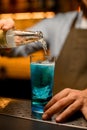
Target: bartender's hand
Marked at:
65, 104
6, 24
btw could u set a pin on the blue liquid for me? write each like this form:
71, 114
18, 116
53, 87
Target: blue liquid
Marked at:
42, 78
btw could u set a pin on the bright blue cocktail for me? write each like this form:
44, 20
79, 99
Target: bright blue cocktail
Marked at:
42, 79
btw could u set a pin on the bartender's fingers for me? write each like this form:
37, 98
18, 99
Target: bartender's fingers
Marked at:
84, 107
2, 22
58, 107
84, 112
69, 111
57, 97
6, 24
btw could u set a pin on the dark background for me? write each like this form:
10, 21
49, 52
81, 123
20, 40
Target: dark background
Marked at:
21, 88
12, 6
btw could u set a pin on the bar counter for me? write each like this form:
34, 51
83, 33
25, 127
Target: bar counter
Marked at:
21, 108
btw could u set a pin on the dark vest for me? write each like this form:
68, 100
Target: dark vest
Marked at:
71, 65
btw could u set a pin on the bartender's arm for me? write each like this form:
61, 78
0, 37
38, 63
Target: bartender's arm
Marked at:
66, 103
6, 24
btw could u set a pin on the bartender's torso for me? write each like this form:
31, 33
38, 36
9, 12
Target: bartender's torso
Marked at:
71, 64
